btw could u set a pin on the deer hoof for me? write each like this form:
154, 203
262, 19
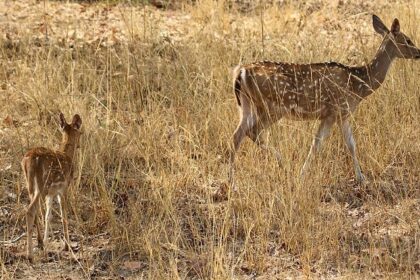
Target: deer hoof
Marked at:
361, 179
30, 258
66, 247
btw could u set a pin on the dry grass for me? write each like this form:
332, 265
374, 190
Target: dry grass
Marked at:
158, 114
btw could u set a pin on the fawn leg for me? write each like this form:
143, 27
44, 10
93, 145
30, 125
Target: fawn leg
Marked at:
63, 212
48, 203
30, 219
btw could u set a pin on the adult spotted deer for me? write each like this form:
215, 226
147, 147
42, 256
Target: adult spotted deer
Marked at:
48, 174
330, 92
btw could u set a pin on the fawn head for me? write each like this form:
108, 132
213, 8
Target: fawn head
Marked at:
71, 132
399, 43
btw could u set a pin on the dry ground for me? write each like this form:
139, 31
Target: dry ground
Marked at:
154, 90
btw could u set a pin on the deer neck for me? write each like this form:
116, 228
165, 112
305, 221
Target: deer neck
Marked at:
378, 67
68, 149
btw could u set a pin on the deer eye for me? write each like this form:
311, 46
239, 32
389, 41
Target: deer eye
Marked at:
409, 42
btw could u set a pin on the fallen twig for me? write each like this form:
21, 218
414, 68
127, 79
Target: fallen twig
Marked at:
16, 239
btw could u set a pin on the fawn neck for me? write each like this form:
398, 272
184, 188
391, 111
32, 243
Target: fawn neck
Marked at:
68, 148
378, 67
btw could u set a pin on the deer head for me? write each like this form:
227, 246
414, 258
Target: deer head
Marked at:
71, 132
397, 43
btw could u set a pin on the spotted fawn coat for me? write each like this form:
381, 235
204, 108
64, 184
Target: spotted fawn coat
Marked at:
48, 174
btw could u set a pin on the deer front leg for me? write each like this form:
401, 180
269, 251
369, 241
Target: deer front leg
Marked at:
323, 131
351, 145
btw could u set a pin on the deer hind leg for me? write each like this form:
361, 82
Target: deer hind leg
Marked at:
31, 213
255, 134
63, 212
38, 230
30, 185
247, 121
48, 204
323, 131
351, 145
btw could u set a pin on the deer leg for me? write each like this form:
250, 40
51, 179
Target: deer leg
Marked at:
254, 134
238, 136
36, 219
48, 203
323, 131
63, 212
39, 234
30, 219
351, 145
247, 121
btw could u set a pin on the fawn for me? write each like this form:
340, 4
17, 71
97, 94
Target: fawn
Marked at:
48, 174
330, 92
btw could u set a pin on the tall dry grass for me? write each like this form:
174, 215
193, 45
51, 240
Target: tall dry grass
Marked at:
158, 115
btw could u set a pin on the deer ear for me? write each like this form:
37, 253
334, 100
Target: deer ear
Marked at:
77, 121
395, 28
63, 122
379, 26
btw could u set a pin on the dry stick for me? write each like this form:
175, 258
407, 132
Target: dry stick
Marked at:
45, 47
46, 26
77, 260
262, 6
144, 23
16, 239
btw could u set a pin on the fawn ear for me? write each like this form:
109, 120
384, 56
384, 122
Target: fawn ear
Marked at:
63, 122
379, 26
77, 121
395, 28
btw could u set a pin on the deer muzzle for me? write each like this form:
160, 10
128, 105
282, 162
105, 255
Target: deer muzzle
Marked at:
418, 54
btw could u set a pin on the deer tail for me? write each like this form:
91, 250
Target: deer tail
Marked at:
237, 76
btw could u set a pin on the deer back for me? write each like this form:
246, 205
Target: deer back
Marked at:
302, 91
50, 170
